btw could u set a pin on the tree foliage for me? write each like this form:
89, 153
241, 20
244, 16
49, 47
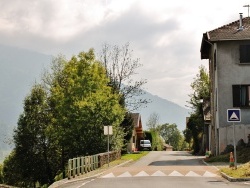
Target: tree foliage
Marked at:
201, 91
33, 151
171, 135
153, 126
153, 121
121, 67
63, 118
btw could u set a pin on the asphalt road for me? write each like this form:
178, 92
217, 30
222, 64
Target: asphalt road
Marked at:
159, 169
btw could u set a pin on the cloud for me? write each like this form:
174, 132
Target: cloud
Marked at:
165, 36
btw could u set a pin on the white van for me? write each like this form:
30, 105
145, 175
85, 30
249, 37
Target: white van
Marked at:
145, 144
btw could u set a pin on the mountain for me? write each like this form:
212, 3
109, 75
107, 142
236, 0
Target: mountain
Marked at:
168, 111
20, 68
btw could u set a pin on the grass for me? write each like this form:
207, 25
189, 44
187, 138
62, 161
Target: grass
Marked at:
243, 171
243, 157
127, 157
134, 156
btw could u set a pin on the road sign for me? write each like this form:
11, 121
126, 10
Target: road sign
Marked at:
108, 130
233, 115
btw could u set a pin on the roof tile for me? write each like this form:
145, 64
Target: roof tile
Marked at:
231, 31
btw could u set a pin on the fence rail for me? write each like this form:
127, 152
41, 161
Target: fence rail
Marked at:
81, 165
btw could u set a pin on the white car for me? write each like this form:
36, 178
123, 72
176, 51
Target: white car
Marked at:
145, 144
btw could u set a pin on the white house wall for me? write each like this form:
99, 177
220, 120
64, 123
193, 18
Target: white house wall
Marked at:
229, 72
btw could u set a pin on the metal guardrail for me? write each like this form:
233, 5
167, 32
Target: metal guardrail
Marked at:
81, 165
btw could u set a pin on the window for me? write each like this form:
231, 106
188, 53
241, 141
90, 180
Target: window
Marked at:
133, 139
244, 53
241, 95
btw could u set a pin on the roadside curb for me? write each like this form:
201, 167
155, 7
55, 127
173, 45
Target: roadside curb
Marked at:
227, 177
231, 179
79, 178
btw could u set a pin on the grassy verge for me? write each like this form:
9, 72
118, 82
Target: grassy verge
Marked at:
127, 157
134, 156
243, 171
243, 157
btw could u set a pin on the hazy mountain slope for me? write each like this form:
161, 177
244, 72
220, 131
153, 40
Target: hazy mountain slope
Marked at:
19, 70
168, 111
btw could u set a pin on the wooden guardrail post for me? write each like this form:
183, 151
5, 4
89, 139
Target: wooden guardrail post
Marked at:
78, 166
69, 168
74, 168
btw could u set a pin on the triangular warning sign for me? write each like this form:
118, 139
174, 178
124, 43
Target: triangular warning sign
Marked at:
234, 116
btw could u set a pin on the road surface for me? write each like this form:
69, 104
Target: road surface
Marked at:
160, 169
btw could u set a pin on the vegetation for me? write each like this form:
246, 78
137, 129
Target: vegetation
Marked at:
63, 117
134, 156
172, 136
242, 171
165, 133
243, 156
1, 173
195, 126
121, 66
243, 161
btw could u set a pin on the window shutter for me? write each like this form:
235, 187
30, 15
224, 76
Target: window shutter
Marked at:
244, 53
236, 95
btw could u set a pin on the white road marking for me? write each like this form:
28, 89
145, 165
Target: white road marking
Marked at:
142, 173
209, 174
192, 174
160, 173
175, 173
125, 174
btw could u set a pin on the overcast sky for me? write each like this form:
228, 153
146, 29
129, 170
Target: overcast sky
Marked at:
165, 35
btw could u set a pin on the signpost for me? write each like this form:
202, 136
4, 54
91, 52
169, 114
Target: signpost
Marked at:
233, 115
108, 130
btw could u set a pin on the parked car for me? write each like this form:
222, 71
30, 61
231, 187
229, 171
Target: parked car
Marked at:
145, 144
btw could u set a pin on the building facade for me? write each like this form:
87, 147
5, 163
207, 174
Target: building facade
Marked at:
228, 50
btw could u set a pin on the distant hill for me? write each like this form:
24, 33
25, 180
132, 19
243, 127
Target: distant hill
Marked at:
168, 111
20, 69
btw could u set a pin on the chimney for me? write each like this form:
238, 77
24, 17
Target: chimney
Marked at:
241, 25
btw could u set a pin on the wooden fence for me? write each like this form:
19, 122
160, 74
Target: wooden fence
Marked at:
81, 165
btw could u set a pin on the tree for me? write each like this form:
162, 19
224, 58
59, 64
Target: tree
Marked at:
32, 153
201, 91
153, 121
128, 127
63, 118
153, 126
188, 137
171, 135
82, 103
121, 67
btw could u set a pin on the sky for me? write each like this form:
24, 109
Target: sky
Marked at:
165, 35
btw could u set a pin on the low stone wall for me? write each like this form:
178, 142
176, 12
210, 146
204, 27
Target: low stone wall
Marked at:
103, 157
